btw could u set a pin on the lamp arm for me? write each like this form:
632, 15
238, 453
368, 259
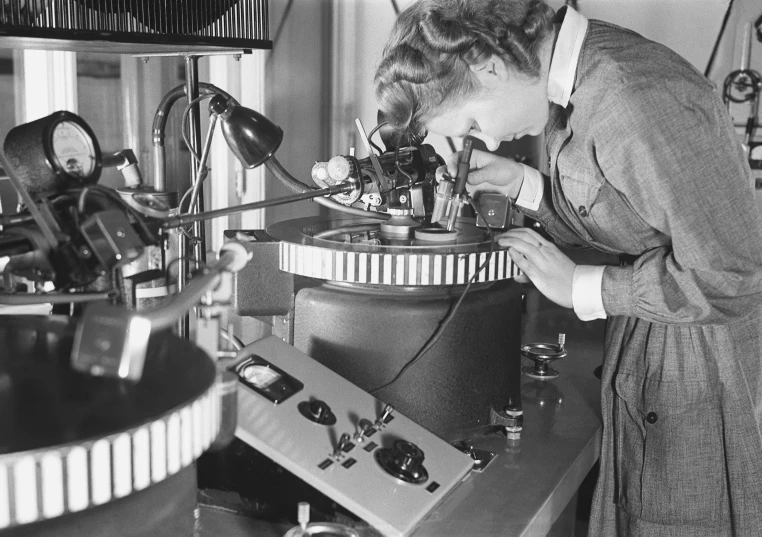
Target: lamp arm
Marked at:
160, 124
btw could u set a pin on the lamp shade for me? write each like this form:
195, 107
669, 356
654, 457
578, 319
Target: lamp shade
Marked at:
251, 136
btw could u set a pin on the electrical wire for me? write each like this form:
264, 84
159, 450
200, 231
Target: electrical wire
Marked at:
281, 25
110, 194
233, 340
450, 316
717, 42
185, 125
370, 137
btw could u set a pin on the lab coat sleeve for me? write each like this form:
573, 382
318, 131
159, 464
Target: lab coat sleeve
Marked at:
670, 148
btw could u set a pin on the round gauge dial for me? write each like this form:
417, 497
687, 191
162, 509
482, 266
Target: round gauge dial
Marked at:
259, 375
73, 150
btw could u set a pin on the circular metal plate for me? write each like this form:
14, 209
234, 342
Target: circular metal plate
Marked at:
354, 250
70, 441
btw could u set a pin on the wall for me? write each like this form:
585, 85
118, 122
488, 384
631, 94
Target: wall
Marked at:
298, 95
690, 27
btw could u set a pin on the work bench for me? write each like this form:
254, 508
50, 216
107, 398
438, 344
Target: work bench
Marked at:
530, 487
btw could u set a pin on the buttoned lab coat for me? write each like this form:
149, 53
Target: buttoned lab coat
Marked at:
644, 161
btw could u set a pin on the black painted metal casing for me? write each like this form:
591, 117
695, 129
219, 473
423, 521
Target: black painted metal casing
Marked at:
261, 288
368, 334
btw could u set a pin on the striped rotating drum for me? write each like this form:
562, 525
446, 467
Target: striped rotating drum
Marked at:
83, 455
367, 302
356, 251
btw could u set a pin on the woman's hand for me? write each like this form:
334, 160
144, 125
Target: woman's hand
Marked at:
489, 173
542, 262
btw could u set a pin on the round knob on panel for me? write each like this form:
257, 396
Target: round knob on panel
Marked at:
317, 411
404, 460
407, 456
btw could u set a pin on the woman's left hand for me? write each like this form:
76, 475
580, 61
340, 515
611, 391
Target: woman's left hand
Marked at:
550, 270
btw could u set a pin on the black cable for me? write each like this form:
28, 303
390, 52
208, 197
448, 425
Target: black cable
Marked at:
712, 57
449, 317
281, 25
370, 137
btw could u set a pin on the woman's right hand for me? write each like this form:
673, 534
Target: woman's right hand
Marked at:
490, 172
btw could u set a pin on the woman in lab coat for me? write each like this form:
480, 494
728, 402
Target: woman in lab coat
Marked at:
645, 164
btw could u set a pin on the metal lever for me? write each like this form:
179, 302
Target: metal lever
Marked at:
460, 182
342, 443
383, 186
381, 420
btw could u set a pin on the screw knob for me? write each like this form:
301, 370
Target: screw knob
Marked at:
542, 354
407, 456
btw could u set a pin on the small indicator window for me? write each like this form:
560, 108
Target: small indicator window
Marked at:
259, 375
266, 379
349, 463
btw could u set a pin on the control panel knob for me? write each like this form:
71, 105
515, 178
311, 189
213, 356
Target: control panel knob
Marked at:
542, 354
317, 411
407, 456
404, 460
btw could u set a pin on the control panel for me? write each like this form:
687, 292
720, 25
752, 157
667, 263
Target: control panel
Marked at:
355, 449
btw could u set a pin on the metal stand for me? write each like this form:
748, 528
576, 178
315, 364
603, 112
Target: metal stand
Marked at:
192, 251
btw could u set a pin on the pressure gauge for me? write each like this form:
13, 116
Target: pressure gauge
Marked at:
74, 150
53, 154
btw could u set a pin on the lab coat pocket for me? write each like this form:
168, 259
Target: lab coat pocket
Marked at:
580, 190
670, 456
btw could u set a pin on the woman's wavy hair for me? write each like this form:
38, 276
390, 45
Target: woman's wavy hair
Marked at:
427, 61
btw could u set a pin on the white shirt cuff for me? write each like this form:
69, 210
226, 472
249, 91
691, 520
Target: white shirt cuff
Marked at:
587, 294
531, 190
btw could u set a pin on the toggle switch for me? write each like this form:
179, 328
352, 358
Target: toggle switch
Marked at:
366, 429
384, 418
342, 445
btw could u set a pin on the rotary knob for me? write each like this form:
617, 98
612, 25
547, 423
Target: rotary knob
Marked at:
404, 460
339, 169
317, 411
407, 456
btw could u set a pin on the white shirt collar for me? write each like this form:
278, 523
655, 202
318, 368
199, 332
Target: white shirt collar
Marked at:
563, 65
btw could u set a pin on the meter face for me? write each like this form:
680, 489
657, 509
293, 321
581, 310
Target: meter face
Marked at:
73, 150
260, 376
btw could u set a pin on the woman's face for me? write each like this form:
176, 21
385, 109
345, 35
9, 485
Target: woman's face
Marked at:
507, 106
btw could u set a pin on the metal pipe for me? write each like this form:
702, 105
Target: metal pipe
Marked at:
181, 220
160, 124
194, 126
